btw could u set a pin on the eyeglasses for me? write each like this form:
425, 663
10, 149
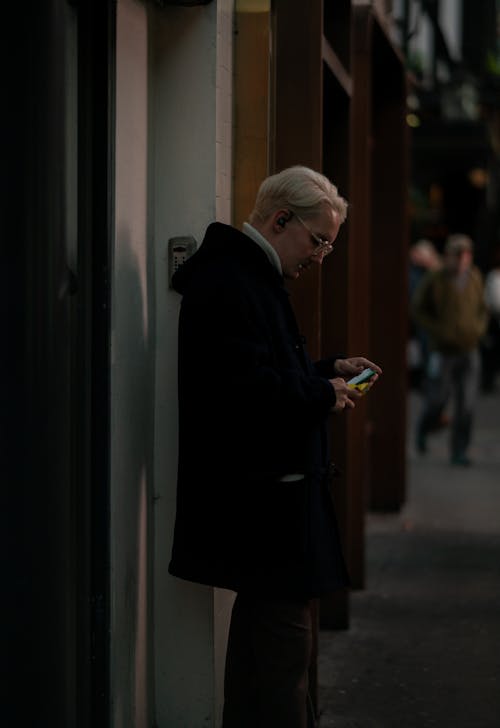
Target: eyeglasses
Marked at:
323, 247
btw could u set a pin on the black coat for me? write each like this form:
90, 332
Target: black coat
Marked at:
252, 408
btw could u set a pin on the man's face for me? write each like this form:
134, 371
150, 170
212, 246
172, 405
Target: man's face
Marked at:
300, 244
459, 262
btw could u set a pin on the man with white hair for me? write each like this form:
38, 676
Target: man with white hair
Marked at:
449, 305
254, 511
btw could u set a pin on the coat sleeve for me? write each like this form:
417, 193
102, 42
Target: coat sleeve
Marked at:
326, 367
228, 344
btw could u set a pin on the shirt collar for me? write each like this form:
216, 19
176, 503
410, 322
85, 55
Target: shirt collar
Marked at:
266, 246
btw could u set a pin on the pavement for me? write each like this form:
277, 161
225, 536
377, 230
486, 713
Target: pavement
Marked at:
423, 646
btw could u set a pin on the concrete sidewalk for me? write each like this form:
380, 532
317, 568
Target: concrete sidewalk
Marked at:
423, 648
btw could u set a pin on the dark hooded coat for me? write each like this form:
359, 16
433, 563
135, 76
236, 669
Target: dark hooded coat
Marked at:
252, 408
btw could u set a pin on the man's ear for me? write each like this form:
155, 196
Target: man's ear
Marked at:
283, 217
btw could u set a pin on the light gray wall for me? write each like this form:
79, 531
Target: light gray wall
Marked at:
132, 380
190, 175
173, 177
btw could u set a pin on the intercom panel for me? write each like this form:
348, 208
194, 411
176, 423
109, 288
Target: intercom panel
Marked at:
180, 249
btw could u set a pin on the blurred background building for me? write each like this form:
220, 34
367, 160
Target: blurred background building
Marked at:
452, 51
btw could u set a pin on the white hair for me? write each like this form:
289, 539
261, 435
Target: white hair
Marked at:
300, 190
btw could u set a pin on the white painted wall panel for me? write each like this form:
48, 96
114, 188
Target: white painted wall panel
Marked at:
132, 376
173, 177
190, 176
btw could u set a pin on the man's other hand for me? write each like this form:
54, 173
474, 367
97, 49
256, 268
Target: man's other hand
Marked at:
345, 395
348, 368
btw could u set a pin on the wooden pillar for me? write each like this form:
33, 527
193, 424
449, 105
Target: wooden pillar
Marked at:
296, 138
252, 66
346, 305
389, 264
297, 126
330, 111
336, 320
358, 285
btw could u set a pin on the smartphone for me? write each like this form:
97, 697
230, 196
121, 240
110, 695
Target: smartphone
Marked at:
361, 381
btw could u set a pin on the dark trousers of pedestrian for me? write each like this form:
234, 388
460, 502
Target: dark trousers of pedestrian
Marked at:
267, 663
456, 376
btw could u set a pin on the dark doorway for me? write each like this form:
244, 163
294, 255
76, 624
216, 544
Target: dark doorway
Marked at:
56, 186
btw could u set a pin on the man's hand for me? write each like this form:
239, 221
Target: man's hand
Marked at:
348, 368
345, 396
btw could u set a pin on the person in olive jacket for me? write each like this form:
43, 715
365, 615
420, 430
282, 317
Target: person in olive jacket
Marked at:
449, 304
254, 510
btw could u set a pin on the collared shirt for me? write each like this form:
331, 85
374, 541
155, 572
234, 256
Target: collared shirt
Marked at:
265, 245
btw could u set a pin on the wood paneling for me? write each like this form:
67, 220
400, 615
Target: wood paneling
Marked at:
251, 110
337, 99
389, 293
297, 127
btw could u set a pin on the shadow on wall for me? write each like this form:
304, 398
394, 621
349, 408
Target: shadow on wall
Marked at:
132, 387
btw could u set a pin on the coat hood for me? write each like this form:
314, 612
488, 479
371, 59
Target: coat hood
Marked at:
221, 244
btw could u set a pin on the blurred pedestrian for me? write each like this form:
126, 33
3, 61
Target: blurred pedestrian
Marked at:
491, 343
423, 258
449, 305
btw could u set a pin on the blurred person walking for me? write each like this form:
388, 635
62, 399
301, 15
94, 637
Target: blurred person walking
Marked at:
449, 305
491, 342
423, 258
